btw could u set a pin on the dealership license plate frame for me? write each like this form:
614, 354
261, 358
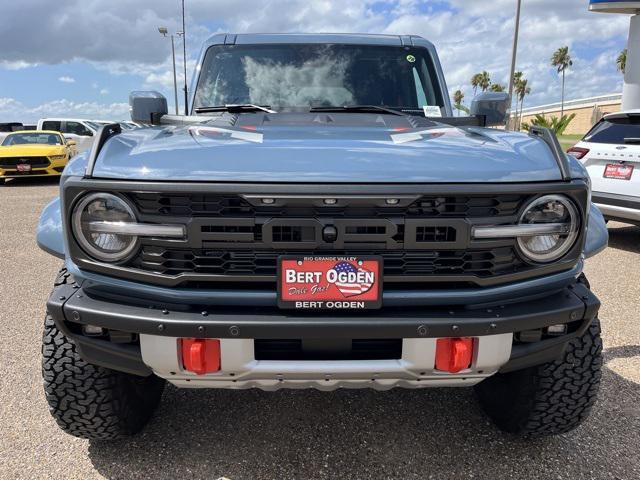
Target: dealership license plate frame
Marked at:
331, 304
616, 167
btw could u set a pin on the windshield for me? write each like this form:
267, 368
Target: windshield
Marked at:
303, 76
32, 138
614, 130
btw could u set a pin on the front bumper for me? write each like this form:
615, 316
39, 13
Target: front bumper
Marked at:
159, 327
625, 208
54, 168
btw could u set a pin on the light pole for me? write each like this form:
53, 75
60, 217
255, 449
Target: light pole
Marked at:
164, 32
184, 56
513, 57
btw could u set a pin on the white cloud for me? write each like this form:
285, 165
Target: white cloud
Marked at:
12, 110
120, 37
104, 91
66, 79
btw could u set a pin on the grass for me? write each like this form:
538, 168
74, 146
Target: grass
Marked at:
568, 141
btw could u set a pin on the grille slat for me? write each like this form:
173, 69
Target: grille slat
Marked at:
204, 205
217, 262
35, 162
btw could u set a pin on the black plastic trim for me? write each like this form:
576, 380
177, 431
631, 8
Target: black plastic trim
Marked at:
551, 140
564, 306
120, 357
76, 187
616, 200
104, 133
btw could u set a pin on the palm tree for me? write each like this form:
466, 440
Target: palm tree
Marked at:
517, 77
485, 81
621, 61
496, 87
522, 90
458, 96
561, 60
475, 82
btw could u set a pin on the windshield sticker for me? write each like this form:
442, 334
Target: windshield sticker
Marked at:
253, 137
411, 59
431, 111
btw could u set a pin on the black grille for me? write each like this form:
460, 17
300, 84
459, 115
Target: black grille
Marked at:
239, 240
481, 263
213, 205
35, 162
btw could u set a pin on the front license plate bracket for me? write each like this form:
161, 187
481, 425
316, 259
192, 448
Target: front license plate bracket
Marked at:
327, 282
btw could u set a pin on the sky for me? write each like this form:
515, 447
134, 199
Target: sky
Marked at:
81, 58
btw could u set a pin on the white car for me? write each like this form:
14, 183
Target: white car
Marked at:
610, 151
80, 130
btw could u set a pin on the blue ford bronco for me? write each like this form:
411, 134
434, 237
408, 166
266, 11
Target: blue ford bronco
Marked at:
320, 219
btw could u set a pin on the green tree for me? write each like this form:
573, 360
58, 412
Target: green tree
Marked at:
480, 80
458, 96
557, 124
517, 76
485, 81
621, 61
496, 87
522, 89
561, 60
475, 82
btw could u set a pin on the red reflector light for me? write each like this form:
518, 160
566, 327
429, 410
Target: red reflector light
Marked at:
200, 355
578, 152
453, 354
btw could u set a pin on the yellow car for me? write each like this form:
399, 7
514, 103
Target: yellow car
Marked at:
34, 153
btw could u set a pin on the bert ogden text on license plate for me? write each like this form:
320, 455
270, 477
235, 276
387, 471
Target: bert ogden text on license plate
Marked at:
330, 282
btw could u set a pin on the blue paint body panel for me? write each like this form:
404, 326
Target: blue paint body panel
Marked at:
597, 233
49, 234
325, 153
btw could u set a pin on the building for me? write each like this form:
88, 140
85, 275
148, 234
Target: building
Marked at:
588, 111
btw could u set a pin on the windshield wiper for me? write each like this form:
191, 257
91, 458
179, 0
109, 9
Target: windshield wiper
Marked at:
235, 108
359, 109
632, 140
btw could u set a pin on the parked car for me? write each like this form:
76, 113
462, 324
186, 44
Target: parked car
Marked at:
79, 130
610, 152
308, 226
34, 153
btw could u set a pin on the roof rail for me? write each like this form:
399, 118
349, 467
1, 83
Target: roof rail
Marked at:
550, 138
104, 133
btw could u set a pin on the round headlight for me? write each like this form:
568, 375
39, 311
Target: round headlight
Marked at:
549, 209
90, 212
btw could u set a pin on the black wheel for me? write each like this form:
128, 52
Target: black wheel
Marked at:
548, 399
90, 401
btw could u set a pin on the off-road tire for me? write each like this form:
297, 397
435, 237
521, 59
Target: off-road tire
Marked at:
89, 401
548, 399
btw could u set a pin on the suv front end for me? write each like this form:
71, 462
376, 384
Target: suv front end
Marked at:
193, 255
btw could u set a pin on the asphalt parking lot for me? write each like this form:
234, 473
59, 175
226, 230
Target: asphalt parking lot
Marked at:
306, 434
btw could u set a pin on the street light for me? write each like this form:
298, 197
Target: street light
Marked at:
184, 57
514, 52
164, 31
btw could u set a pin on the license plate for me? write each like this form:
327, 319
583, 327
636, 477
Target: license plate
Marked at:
618, 171
23, 167
329, 282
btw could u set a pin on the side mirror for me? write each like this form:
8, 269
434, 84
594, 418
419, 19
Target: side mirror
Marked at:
492, 106
147, 106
